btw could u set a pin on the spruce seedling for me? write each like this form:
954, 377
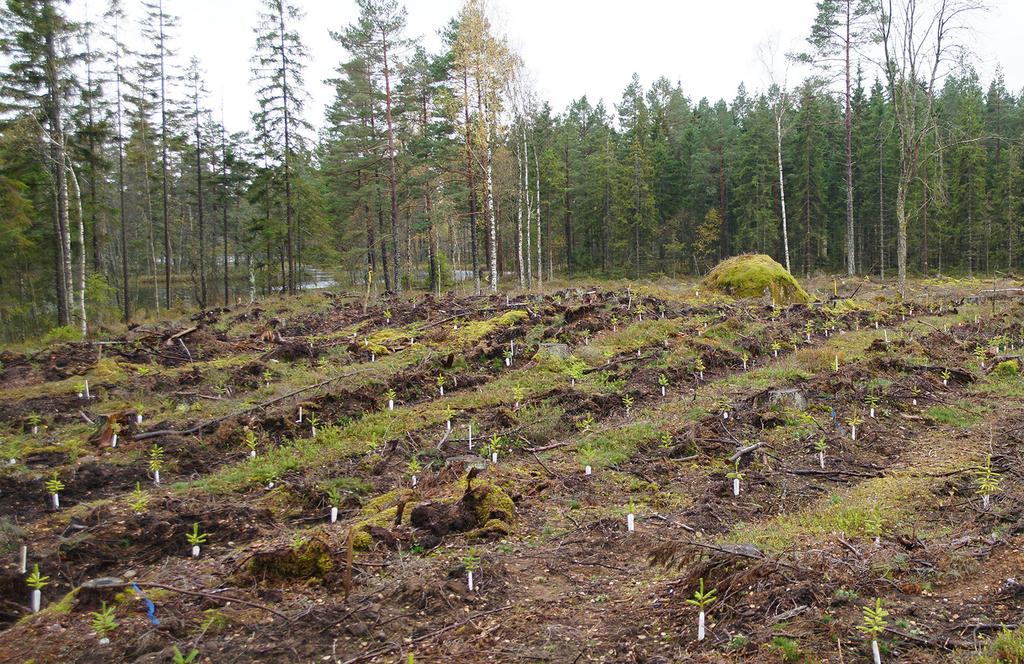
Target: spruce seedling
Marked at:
251, 442
507, 354
584, 424
698, 367
872, 402
495, 447
702, 600
267, 377
34, 420
988, 480
873, 625
745, 356
776, 347
180, 658
36, 582
103, 622
53, 487
946, 375
390, 396
471, 561
449, 415
115, 429
735, 475
808, 329
820, 447
195, 539
314, 422
138, 500
980, 354
615, 323
663, 382
156, 462
518, 394
854, 422
440, 384
627, 402
413, 469
334, 500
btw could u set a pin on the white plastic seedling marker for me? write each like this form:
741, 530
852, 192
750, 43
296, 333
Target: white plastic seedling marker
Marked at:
87, 395
885, 335
37, 597
985, 501
156, 477
414, 480
469, 581
874, 652
373, 357
35, 430
55, 499
391, 404
195, 550
735, 486
299, 421
470, 427
23, 568
448, 425
252, 454
821, 460
700, 626
442, 390
588, 470
630, 525
113, 440
334, 515
494, 457
725, 414
138, 418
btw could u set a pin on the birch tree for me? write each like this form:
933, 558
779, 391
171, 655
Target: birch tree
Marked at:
919, 39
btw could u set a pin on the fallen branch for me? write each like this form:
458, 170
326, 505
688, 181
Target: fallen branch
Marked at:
221, 598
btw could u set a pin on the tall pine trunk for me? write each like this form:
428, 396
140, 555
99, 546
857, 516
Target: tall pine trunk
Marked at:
851, 266
392, 177
471, 183
164, 160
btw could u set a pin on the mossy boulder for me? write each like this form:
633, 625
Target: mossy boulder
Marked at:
755, 275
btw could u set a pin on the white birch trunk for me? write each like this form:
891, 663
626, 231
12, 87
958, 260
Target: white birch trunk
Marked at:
782, 187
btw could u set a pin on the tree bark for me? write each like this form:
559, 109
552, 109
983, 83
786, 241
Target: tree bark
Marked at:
392, 177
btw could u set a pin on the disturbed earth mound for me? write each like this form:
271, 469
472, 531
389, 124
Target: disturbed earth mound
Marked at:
755, 275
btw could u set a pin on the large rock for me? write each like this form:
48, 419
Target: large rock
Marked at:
755, 275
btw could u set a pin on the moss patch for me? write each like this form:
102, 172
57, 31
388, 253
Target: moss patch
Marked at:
751, 275
308, 560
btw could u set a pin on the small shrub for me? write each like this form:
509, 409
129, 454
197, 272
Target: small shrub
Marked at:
1007, 369
789, 649
62, 335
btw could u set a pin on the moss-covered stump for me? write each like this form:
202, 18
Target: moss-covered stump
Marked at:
308, 560
483, 511
755, 275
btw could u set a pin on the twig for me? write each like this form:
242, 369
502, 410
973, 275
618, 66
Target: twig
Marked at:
221, 598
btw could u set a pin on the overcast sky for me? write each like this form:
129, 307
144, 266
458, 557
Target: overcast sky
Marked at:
571, 47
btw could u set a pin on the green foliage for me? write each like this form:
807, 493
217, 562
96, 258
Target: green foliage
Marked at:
103, 622
874, 622
35, 580
54, 485
1007, 369
179, 658
701, 599
60, 335
195, 538
787, 648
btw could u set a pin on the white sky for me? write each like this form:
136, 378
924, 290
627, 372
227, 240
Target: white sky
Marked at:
572, 47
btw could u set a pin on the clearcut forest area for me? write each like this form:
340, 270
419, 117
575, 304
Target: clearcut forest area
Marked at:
487, 332
875, 444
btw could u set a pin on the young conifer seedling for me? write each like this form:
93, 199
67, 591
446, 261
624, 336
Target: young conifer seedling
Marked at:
745, 356
103, 622
334, 500
735, 475
179, 657
663, 382
631, 517
854, 422
251, 442
314, 422
808, 329
53, 487
507, 354
195, 539
872, 402
471, 561
627, 402
390, 396
988, 480
156, 462
34, 420
518, 394
413, 470
698, 367
776, 347
702, 600
873, 526
138, 500
36, 582
873, 625
449, 415
440, 384
820, 447
495, 447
